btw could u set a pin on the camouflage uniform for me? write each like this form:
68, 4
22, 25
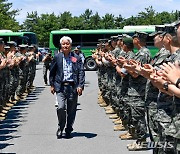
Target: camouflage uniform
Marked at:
2, 85
22, 76
123, 106
46, 67
136, 93
166, 112
115, 87
152, 93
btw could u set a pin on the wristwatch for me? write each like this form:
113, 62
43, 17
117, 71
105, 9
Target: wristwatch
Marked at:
177, 83
165, 86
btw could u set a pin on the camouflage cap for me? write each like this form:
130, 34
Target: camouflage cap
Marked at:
139, 34
126, 35
7, 47
128, 41
176, 23
169, 29
158, 30
120, 37
12, 43
103, 40
30, 46
23, 46
114, 38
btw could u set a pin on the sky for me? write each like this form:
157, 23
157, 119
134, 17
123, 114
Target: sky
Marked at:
126, 8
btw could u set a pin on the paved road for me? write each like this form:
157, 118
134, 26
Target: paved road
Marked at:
31, 125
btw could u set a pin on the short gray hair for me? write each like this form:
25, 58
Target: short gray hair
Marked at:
65, 38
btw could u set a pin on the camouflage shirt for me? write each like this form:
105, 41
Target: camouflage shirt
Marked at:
151, 91
137, 85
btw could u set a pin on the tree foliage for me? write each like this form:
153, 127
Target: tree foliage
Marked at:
7, 16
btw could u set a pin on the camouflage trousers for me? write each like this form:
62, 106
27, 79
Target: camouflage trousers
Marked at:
21, 85
166, 129
137, 116
151, 120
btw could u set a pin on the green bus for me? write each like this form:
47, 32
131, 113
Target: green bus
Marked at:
19, 37
88, 40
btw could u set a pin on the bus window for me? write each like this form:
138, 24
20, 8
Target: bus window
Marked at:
31, 38
16, 39
76, 39
91, 39
56, 39
5, 38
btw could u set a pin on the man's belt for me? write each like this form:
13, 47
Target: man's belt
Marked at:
67, 83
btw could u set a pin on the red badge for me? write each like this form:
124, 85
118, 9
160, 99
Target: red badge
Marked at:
73, 59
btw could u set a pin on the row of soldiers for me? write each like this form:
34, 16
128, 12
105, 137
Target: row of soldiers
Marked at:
140, 92
17, 72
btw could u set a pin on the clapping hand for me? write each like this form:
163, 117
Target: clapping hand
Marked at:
171, 71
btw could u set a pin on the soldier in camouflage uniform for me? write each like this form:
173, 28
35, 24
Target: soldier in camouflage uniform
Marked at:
3, 63
13, 72
32, 68
106, 94
136, 91
22, 72
165, 105
46, 66
128, 50
151, 91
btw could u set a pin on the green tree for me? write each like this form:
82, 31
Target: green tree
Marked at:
7, 16
118, 20
96, 21
108, 21
64, 19
147, 17
86, 23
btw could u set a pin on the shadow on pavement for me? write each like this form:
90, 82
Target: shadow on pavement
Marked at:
15, 118
87, 135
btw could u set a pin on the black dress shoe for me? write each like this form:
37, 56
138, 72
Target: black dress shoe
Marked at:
59, 133
68, 135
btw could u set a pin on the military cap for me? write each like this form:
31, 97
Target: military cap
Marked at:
176, 23
12, 43
120, 36
140, 34
30, 46
170, 29
103, 40
7, 47
78, 47
128, 41
1, 41
126, 35
114, 38
99, 40
23, 46
158, 30
109, 41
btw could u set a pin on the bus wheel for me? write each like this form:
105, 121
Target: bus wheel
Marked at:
90, 64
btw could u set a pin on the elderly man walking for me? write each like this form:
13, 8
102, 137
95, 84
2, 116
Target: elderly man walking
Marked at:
67, 79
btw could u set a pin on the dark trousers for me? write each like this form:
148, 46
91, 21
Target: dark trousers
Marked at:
67, 105
45, 70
